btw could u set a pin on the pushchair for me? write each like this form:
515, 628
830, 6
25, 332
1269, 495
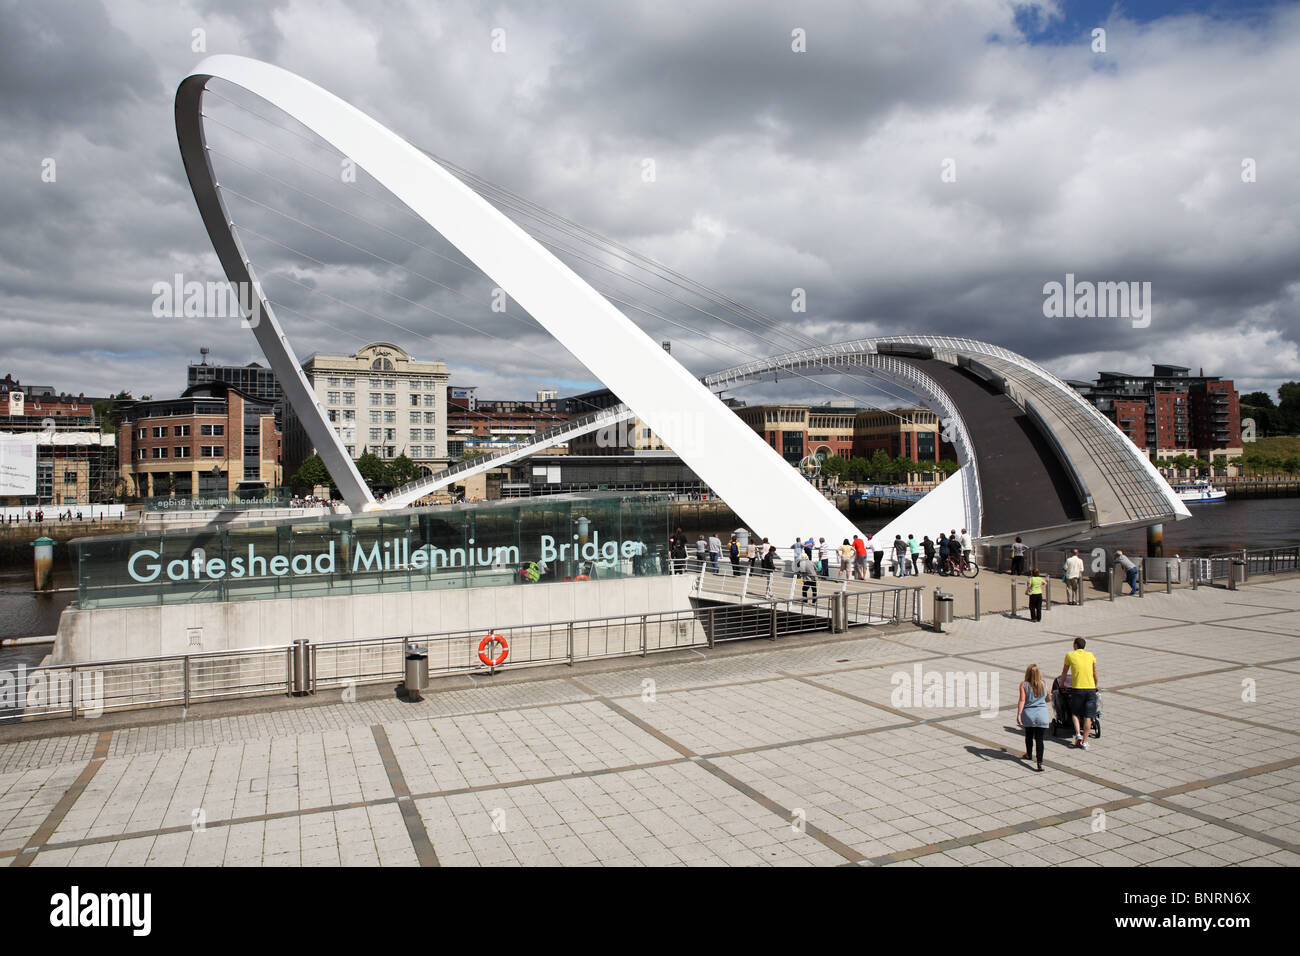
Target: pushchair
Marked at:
1062, 724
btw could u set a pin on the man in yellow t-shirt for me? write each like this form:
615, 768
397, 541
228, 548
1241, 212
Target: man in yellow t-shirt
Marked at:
1081, 666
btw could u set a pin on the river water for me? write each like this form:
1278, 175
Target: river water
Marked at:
1212, 529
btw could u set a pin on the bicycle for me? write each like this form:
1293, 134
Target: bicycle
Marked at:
959, 567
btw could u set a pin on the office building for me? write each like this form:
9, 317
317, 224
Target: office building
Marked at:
213, 440
380, 400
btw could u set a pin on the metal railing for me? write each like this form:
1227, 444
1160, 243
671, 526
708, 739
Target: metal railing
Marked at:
867, 602
1260, 561
94, 687
414, 490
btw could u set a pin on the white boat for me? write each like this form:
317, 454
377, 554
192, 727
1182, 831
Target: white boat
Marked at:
1199, 492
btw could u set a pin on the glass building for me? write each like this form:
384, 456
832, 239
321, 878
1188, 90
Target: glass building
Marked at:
510, 543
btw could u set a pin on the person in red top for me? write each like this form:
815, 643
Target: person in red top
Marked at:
859, 558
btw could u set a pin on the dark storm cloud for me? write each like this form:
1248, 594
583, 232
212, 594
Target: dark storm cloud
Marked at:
775, 171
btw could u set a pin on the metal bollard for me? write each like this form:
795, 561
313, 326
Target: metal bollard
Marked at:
1013, 597
1047, 595
977, 602
1110, 589
1169, 580
1142, 579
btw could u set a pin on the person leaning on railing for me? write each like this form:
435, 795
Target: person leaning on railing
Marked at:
769, 566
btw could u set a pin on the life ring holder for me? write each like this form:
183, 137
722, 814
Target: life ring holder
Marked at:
493, 639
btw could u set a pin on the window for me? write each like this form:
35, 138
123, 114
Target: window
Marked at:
332, 415
212, 451
332, 381
332, 398
349, 415
388, 451
415, 418
390, 418
160, 431
69, 477
352, 450
415, 401
390, 434
376, 434
182, 451
430, 401
212, 429
376, 416
389, 383
431, 434
140, 454
181, 431
417, 451
140, 433
349, 398
382, 365
431, 418
376, 398
390, 399
160, 452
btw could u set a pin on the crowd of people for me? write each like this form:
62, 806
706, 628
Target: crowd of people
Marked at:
38, 516
814, 558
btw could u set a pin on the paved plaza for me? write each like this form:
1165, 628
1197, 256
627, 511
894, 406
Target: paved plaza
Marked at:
801, 752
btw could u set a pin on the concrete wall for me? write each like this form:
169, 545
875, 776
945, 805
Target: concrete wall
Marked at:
127, 632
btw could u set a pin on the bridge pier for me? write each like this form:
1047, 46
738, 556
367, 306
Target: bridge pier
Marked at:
1156, 541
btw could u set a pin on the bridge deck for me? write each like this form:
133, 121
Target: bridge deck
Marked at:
1024, 484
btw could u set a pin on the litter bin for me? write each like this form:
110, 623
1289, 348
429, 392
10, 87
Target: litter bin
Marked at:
302, 678
1236, 573
417, 671
942, 609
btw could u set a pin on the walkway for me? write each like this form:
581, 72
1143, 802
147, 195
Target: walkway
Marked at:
796, 753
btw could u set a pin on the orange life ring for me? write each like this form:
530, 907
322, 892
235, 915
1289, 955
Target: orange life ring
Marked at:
482, 652
582, 577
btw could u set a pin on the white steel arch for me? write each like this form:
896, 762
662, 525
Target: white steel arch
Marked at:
770, 496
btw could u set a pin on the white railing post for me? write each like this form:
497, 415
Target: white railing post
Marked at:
744, 585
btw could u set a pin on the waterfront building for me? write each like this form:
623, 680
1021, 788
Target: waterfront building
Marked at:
75, 461
380, 400
1171, 412
797, 431
212, 440
899, 432
256, 381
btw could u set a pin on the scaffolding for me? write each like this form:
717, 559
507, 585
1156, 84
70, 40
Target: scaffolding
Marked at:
76, 463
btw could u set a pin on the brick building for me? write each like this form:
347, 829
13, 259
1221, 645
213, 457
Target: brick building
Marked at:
1171, 412
213, 440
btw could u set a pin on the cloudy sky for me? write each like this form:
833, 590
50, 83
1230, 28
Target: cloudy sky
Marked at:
920, 167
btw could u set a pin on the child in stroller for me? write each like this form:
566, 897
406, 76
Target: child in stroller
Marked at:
1061, 721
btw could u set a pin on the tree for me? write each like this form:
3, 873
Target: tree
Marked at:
372, 470
1289, 408
401, 470
879, 468
1258, 400
311, 474
834, 467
